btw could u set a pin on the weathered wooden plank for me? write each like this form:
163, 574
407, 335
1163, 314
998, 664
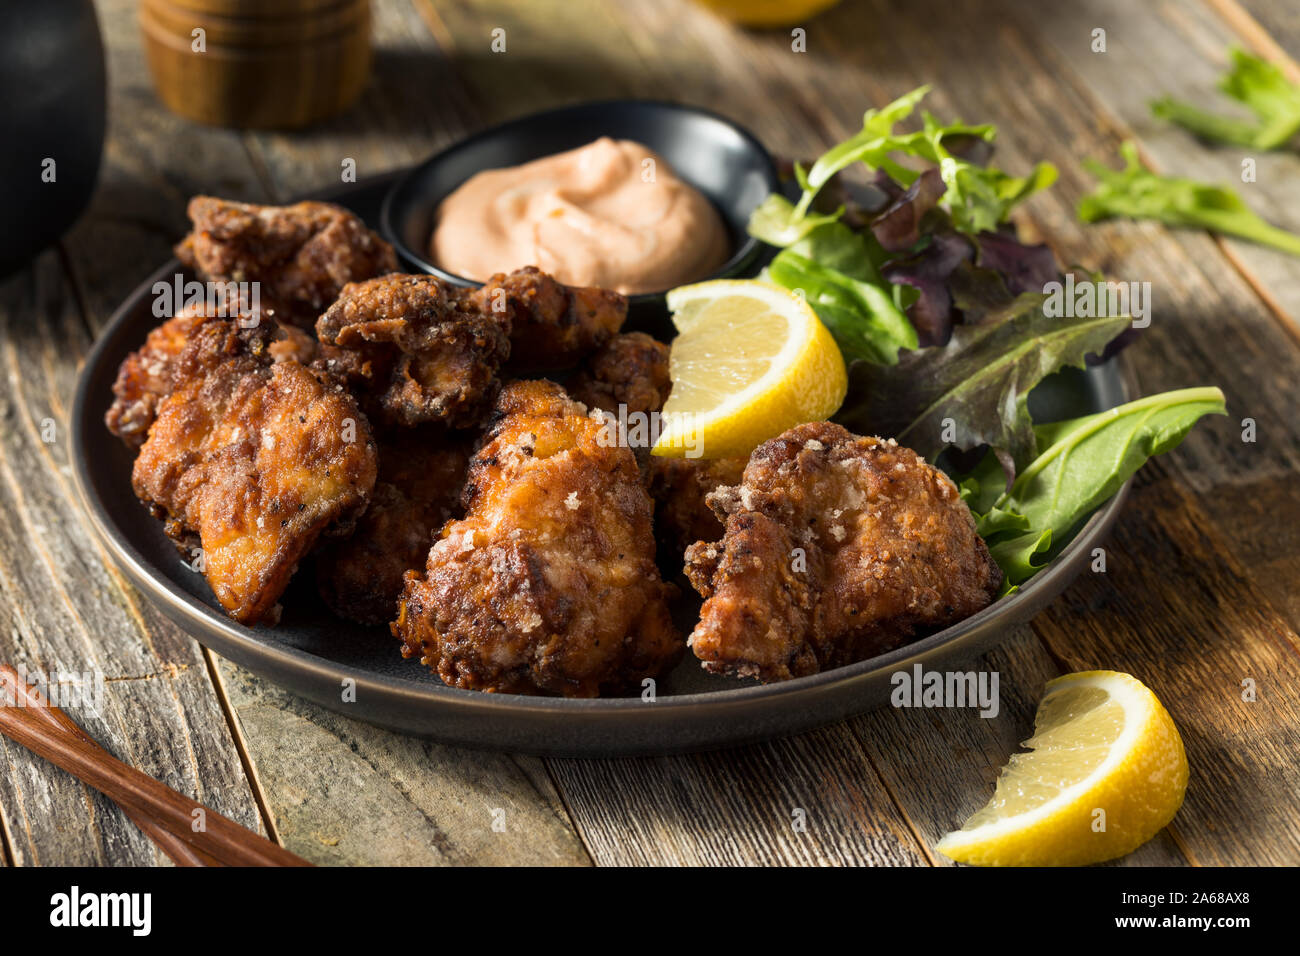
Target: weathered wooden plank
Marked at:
564, 52
811, 799
343, 792
62, 608
1270, 29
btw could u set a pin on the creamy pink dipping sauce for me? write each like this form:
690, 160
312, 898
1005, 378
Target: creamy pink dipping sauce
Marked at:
610, 214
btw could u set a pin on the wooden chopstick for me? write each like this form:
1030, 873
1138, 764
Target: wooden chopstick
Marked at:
164, 815
180, 852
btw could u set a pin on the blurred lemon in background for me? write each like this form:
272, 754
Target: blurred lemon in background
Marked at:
767, 13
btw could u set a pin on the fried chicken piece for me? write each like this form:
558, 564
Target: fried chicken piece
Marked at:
680, 487
301, 255
628, 380
417, 349
548, 585
145, 377
257, 458
837, 548
421, 476
553, 326
631, 370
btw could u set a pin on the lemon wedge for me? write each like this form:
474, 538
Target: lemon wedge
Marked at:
1105, 772
750, 360
767, 13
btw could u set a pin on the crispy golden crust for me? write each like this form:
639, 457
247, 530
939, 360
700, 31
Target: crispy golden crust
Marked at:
257, 459
416, 350
679, 487
553, 326
301, 255
421, 476
836, 548
146, 376
293, 344
549, 584
631, 370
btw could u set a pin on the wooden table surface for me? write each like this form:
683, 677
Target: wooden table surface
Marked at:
1198, 596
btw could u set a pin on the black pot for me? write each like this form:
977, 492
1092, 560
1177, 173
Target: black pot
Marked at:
52, 112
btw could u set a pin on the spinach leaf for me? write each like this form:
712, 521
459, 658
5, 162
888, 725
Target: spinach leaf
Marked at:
1084, 462
1262, 88
1140, 194
973, 390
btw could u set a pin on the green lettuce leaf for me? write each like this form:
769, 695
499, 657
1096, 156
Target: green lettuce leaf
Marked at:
1262, 88
835, 269
1137, 193
978, 197
872, 146
973, 391
1083, 463
864, 319
777, 223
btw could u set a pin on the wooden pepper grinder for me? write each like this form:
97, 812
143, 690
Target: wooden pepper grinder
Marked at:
257, 63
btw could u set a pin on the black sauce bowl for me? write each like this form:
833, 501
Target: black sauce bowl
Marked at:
714, 155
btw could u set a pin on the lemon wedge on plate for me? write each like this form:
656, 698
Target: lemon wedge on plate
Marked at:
750, 360
1105, 772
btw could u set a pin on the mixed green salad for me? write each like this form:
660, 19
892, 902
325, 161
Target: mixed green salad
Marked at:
941, 313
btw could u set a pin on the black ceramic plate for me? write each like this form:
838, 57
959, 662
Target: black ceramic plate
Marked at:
313, 653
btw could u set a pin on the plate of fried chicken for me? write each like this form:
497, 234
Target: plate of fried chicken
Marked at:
400, 498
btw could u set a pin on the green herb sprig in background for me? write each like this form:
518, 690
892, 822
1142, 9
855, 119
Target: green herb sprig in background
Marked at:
1262, 88
1137, 193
